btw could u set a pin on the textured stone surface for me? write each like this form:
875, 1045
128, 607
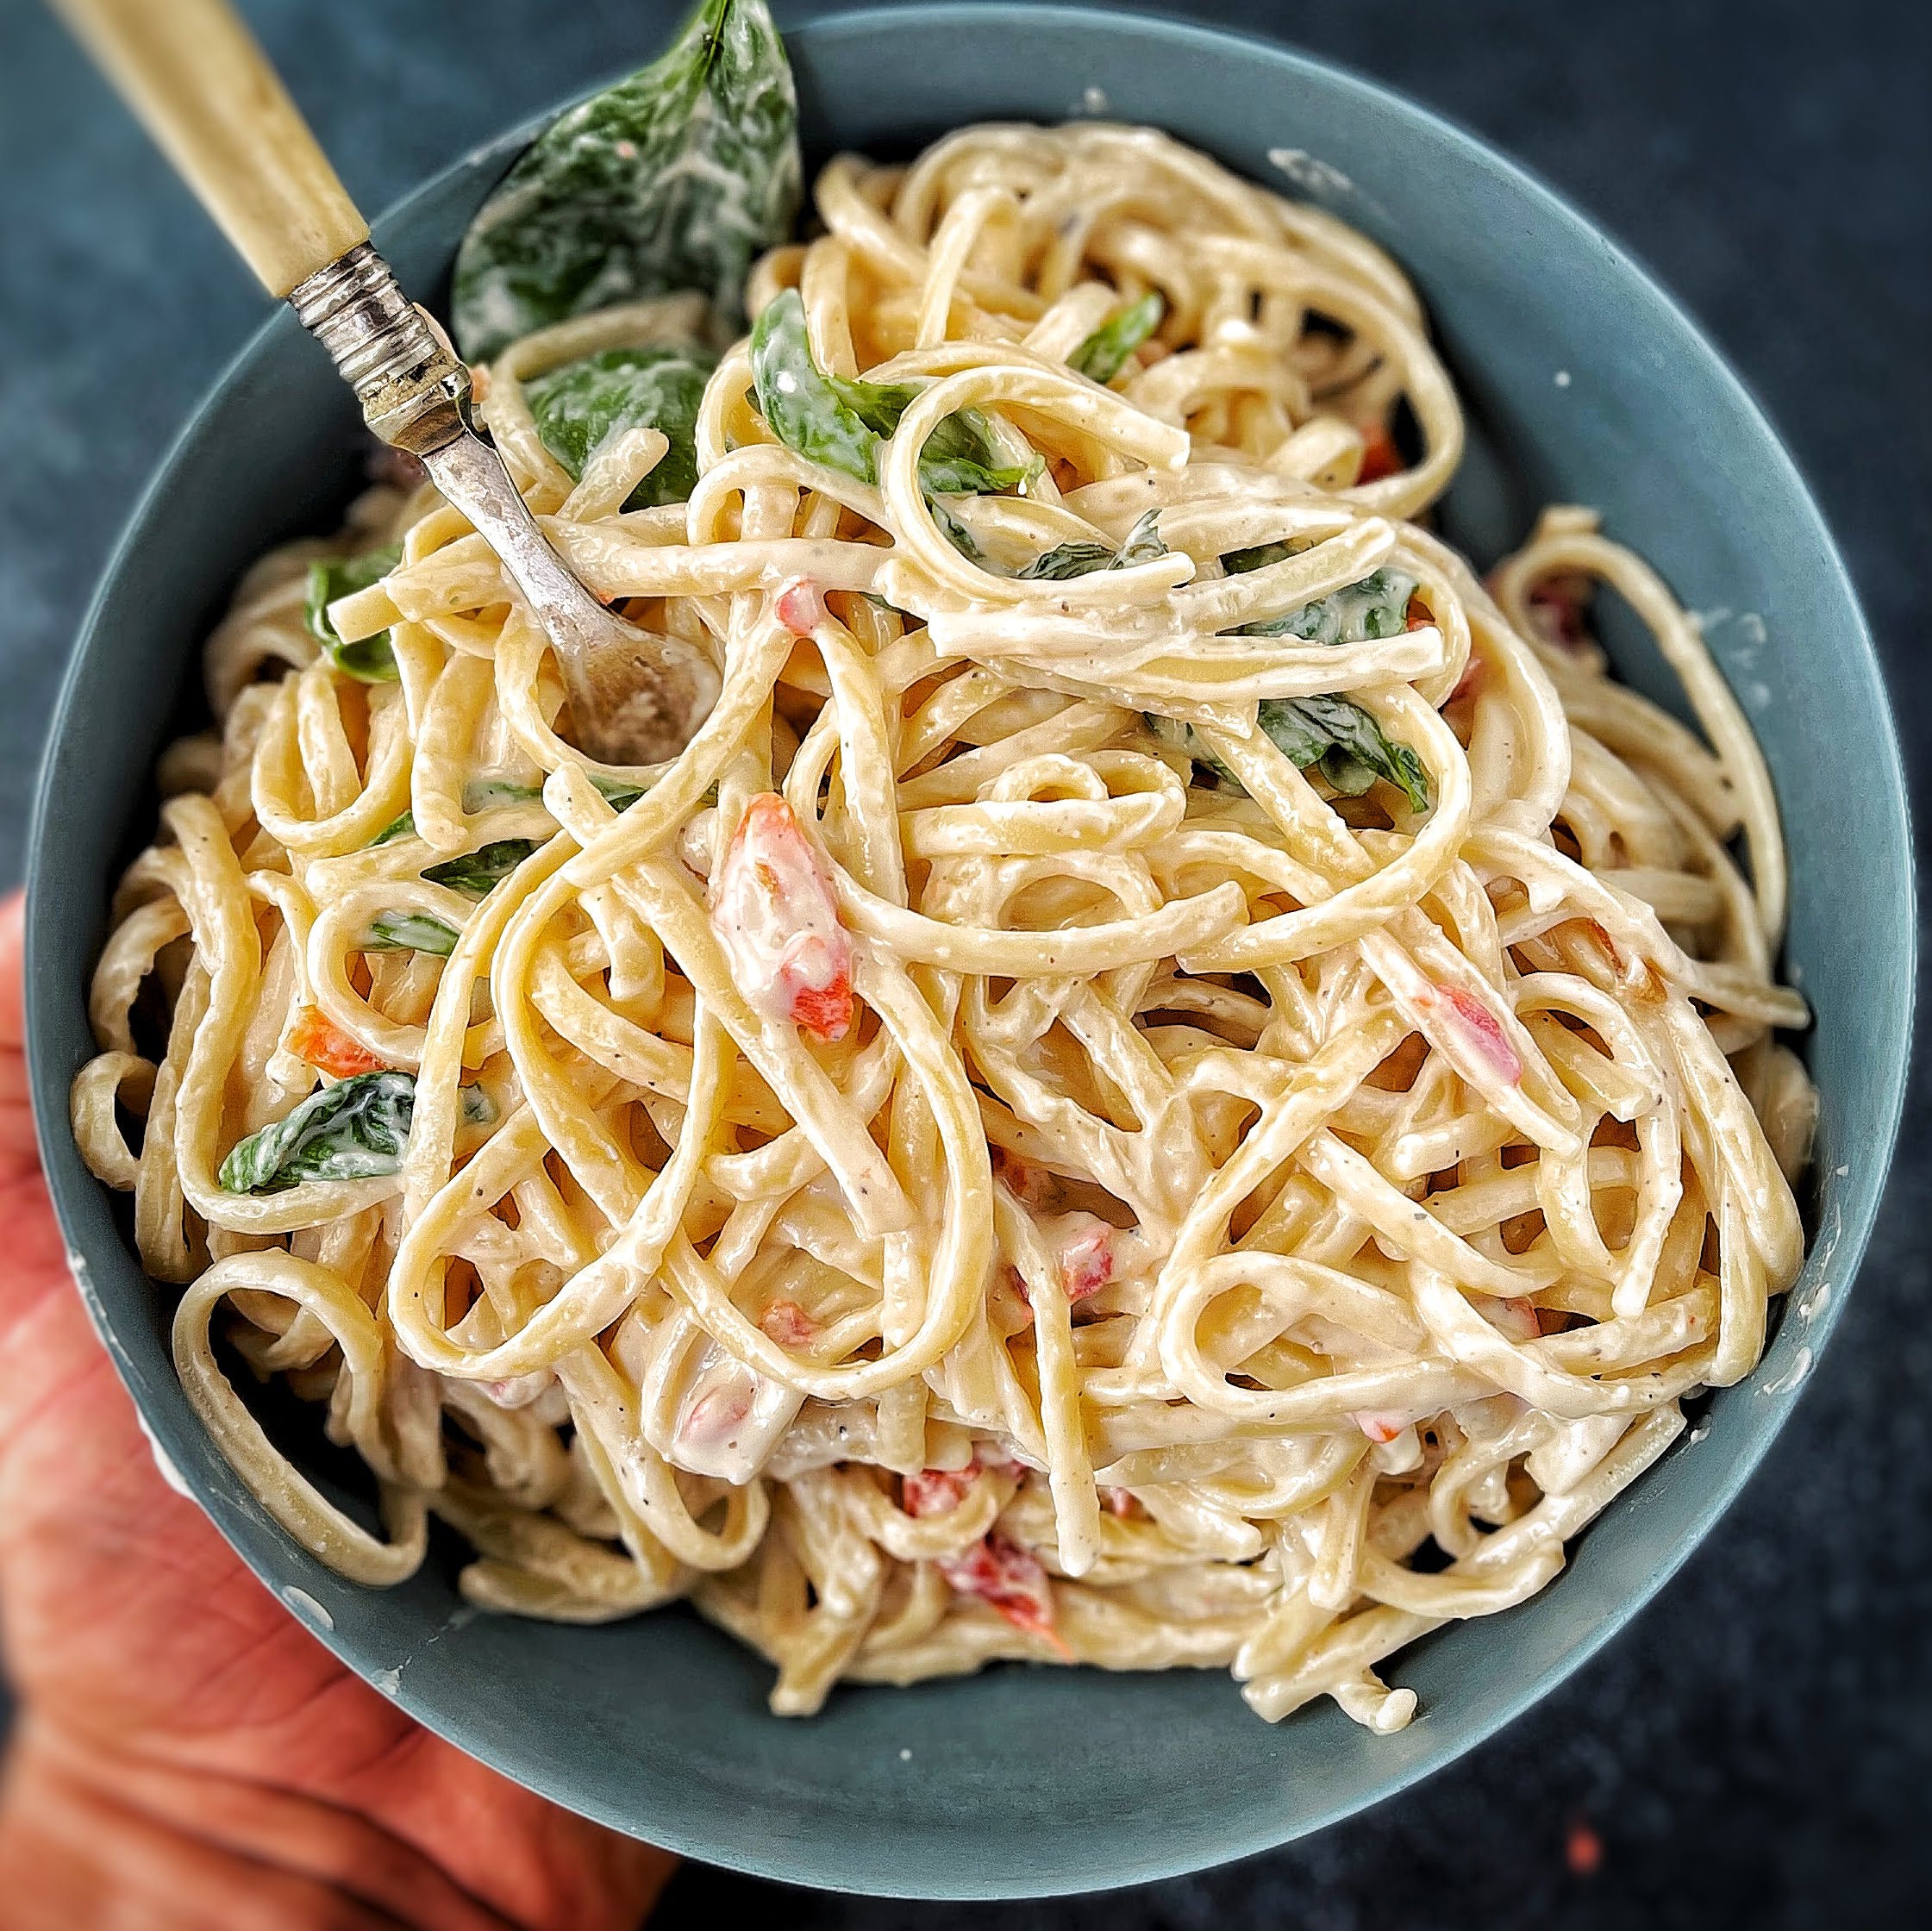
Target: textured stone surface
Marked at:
1758, 1748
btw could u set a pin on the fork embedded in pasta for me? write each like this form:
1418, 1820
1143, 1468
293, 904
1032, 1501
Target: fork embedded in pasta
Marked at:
1171, 1079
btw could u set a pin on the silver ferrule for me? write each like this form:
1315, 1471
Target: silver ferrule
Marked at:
413, 388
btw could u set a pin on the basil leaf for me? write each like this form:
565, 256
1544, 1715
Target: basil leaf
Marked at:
808, 409
961, 457
369, 660
678, 178
1081, 559
619, 798
1341, 737
1068, 560
1357, 613
474, 873
1238, 563
579, 406
1346, 741
356, 1129
487, 794
1179, 736
491, 794
1143, 542
956, 532
481, 793
1103, 354
353, 1130
839, 422
409, 932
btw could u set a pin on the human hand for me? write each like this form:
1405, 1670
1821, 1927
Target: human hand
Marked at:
188, 1754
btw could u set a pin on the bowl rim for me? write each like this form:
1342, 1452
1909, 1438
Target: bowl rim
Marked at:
824, 31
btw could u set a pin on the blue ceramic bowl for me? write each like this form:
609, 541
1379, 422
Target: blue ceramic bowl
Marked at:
1029, 1781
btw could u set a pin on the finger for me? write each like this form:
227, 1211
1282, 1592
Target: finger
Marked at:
19, 1156
35, 1296
13, 943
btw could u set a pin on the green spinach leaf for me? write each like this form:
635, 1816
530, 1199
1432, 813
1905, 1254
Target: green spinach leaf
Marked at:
580, 405
840, 421
1065, 560
1340, 736
1238, 563
955, 532
962, 459
369, 660
357, 1129
489, 794
474, 873
1347, 743
353, 1130
481, 793
493, 794
1081, 559
1103, 354
1357, 613
409, 932
811, 412
1179, 735
678, 178
621, 798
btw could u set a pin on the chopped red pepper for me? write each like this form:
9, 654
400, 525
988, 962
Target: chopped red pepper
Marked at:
1379, 1424
321, 1043
716, 1415
1011, 1579
1380, 457
1086, 1260
1480, 1028
788, 1324
1031, 1185
1557, 604
801, 606
935, 1491
773, 908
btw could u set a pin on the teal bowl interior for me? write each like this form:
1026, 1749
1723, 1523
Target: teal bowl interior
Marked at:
1026, 1781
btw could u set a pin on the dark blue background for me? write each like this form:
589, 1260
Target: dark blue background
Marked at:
1759, 1748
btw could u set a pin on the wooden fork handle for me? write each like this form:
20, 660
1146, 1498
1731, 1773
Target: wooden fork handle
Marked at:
204, 90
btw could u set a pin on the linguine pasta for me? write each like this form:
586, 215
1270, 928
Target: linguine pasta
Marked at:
1170, 1079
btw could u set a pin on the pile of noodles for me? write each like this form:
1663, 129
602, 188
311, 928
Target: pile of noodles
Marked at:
1427, 1157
